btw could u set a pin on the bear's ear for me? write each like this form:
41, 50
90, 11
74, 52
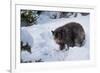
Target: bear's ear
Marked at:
52, 32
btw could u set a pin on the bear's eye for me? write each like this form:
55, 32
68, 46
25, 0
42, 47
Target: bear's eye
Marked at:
56, 34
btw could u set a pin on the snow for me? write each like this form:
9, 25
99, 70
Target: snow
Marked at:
43, 45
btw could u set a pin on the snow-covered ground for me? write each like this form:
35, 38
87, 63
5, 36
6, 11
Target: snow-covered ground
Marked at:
43, 46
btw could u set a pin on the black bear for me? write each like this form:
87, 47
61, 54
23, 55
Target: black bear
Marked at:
71, 34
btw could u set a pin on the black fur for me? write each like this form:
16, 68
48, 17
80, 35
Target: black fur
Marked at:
71, 34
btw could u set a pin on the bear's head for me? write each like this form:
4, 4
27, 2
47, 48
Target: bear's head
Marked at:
59, 35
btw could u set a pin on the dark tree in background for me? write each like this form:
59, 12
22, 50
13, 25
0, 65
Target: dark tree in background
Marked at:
28, 17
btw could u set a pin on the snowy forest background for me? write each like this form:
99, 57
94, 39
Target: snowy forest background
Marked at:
37, 43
